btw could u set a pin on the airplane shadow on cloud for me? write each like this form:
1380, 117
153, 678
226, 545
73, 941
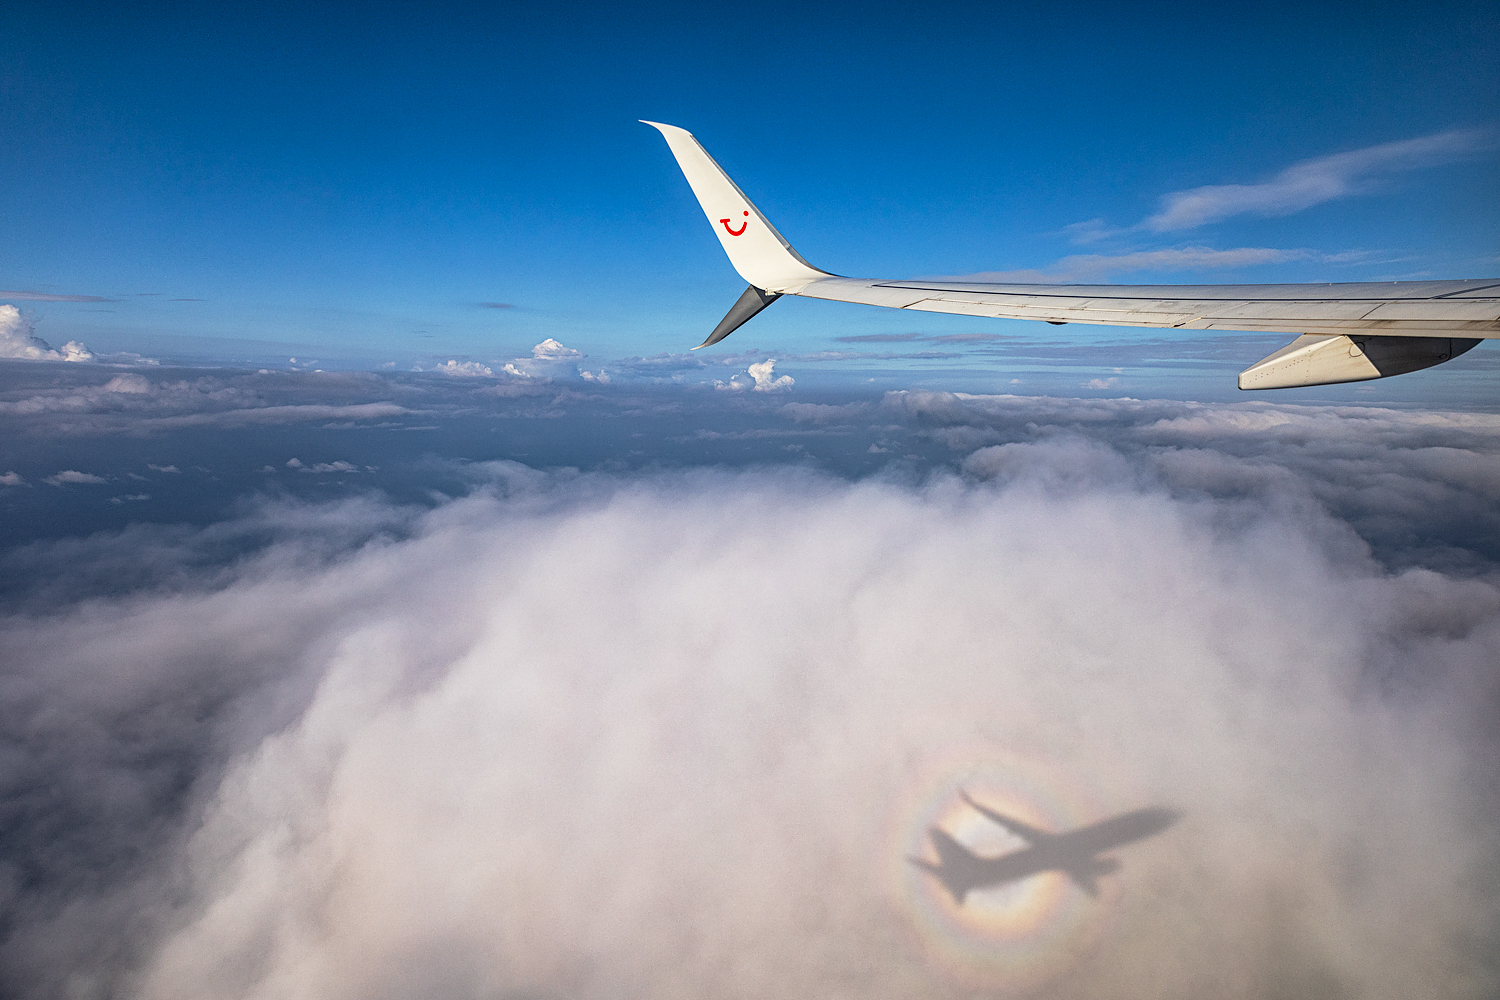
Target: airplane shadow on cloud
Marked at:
1075, 853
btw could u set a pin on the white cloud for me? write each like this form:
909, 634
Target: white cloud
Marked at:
127, 383
162, 468
1090, 231
676, 735
1298, 187
765, 381
73, 476
294, 413
132, 402
338, 466
17, 340
469, 368
760, 379
548, 360
12, 478
1313, 182
1101, 383
135, 404
551, 350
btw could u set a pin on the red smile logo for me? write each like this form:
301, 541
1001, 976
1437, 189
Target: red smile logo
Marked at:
734, 232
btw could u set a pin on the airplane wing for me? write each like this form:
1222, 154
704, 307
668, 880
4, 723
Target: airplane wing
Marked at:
1030, 834
1348, 332
955, 867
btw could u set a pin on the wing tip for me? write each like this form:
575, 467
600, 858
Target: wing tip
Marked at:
662, 127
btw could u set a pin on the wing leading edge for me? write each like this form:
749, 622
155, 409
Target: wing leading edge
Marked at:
1348, 331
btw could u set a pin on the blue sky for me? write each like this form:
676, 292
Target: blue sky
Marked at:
357, 182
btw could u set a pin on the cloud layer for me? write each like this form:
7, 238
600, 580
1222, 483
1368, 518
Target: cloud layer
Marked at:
673, 733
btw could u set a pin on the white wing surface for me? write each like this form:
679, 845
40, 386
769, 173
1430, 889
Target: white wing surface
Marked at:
1347, 331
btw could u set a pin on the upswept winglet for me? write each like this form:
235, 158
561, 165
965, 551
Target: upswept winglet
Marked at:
758, 252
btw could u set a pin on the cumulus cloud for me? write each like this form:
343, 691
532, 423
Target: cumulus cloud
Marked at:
548, 360
17, 340
12, 478
1313, 182
551, 350
765, 380
676, 734
470, 368
761, 379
